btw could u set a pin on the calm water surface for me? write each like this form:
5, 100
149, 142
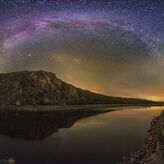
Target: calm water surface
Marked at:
99, 139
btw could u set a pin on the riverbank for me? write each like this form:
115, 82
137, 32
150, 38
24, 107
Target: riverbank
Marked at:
75, 107
152, 150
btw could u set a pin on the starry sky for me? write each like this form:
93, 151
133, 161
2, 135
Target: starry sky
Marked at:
113, 47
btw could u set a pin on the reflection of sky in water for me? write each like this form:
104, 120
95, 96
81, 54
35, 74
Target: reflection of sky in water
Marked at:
106, 119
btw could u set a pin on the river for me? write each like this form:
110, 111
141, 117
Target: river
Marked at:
99, 139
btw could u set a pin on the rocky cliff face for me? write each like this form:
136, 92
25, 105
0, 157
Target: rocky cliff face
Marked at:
21, 88
41, 88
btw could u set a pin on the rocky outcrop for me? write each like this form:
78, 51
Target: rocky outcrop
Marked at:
41, 88
8, 161
152, 151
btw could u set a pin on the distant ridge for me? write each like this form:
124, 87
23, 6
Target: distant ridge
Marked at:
44, 88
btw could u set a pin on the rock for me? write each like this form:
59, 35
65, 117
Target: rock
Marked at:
18, 103
11, 161
132, 160
3, 161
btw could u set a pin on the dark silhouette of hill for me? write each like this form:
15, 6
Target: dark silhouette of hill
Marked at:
44, 88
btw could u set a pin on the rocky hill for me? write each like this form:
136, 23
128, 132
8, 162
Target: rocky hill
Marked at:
44, 88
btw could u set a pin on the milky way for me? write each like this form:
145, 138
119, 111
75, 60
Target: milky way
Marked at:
111, 47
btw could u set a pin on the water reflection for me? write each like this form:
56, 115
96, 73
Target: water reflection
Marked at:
37, 125
99, 139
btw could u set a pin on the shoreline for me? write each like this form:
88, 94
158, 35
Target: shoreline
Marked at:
152, 150
76, 107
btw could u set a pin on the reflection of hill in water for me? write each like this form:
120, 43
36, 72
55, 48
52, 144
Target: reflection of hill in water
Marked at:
37, 125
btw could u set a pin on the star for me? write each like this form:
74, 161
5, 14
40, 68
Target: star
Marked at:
110, 45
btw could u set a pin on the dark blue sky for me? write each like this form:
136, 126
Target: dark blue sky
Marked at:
147, 6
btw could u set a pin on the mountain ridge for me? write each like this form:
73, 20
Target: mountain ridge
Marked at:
45, 88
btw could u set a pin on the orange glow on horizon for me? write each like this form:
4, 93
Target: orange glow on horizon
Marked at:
156, 94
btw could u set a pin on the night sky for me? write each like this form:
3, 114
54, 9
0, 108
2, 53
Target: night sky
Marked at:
113, 47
